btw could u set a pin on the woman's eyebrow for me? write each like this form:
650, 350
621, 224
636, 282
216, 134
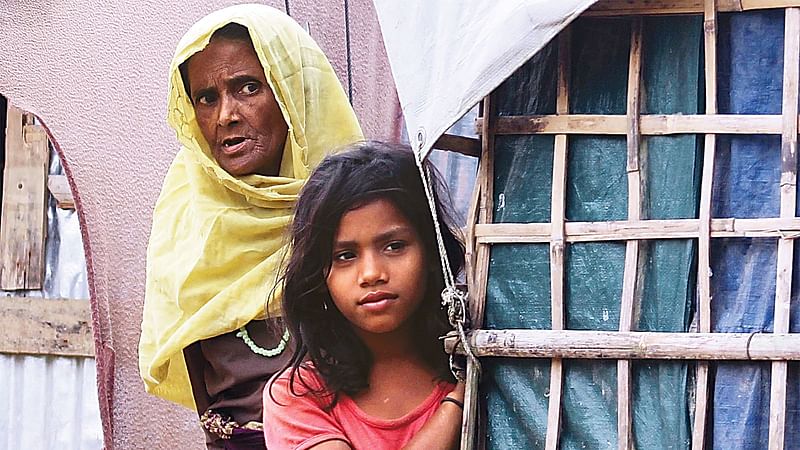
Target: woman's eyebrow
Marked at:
201, 92
239, 79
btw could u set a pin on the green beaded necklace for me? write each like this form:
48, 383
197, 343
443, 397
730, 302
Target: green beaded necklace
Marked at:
268, 352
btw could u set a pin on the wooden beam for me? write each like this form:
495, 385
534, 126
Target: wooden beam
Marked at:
477, 299
785, 259
43, 326
23, 215
508, 233
59, 189
650, 124
706, 223
557, 263
582, 344
656, 7
459, 144
632, 270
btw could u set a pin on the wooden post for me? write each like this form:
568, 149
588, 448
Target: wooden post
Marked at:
704, 239
557, 264
22, 223
477, 298
632, 270
783, 282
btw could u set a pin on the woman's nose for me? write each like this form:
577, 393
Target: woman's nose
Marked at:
372, 271
228, 111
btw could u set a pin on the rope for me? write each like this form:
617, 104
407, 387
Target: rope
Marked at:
454, 299
349, 53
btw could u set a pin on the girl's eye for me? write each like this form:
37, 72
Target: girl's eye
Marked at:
250, 88
344, 256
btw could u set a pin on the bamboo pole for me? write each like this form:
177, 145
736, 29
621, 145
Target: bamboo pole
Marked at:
632, 247
704, 240
583, 344
786, 228
651, 124
783, 282
557, 263
481, 274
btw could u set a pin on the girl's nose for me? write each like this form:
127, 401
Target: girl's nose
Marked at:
372, 271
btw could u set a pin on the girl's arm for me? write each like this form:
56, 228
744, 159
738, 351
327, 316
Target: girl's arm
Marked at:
443, 429
332, 445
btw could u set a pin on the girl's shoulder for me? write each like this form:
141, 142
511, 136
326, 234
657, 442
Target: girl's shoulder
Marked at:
292, 383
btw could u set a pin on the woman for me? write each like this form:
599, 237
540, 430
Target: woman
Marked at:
255, 105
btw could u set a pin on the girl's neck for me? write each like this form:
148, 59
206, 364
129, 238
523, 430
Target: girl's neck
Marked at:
398, 344
399, 380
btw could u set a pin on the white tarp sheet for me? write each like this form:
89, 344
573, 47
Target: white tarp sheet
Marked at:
446, 55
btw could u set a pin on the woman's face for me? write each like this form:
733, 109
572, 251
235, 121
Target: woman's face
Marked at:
236, 109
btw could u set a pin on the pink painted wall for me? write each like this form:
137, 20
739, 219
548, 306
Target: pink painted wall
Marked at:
96, 74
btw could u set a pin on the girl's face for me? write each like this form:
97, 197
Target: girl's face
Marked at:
378, 274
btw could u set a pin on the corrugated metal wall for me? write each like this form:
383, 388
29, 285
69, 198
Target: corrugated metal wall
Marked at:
50, 402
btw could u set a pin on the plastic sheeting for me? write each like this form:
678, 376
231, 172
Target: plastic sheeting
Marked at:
446, 56
746, 184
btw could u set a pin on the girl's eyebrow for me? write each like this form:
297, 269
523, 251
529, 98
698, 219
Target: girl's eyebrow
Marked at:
391, 233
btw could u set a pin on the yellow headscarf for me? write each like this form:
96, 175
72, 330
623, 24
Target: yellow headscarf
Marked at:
217, 241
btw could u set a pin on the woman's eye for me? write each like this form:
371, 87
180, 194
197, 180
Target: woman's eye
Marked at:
250, 88
205, 99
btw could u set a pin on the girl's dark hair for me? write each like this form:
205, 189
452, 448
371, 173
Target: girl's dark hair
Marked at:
232, 31
362, 173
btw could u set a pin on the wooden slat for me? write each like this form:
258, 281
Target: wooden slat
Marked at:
478, 297
582, 344
59, 189
650, 124
632, 264
40, 326
705, 222
783, 282
22, 219
558, 215
653, 7
505, 233
459, 144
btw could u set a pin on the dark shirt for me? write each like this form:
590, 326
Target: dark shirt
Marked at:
229, 378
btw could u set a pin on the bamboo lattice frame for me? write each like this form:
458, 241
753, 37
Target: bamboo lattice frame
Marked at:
778, 347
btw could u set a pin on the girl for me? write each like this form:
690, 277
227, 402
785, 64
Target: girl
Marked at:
362, 300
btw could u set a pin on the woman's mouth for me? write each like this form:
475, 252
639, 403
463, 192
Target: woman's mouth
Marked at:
234, 144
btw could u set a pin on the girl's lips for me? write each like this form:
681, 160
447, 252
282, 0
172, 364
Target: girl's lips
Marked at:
376, 297
377, 306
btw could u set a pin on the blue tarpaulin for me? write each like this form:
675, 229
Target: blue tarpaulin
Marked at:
746, 185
